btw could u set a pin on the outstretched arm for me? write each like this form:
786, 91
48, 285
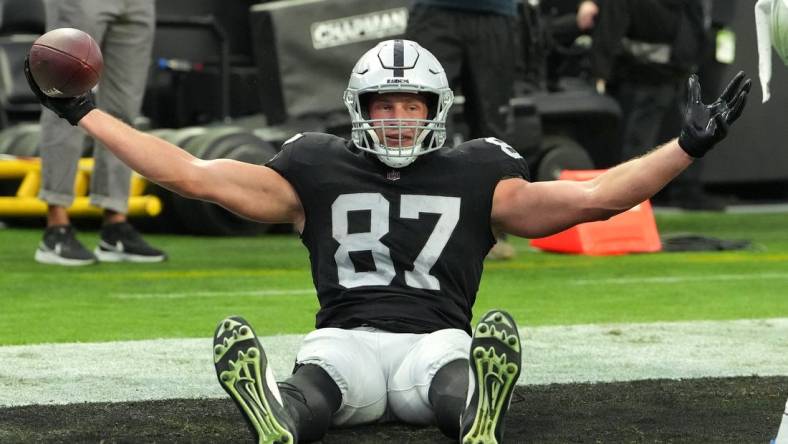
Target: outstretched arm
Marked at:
253, 191
542, 208
536, 209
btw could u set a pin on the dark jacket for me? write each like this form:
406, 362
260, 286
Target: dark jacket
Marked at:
501, 7
676, 28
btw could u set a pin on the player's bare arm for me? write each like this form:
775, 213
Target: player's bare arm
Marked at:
253, 191
536, 209
539, 209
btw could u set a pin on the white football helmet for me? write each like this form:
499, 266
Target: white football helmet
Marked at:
400, 66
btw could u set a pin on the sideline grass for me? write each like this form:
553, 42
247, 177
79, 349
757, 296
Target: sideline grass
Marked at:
264, 279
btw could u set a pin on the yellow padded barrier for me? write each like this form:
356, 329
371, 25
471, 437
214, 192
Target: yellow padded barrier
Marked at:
25, 203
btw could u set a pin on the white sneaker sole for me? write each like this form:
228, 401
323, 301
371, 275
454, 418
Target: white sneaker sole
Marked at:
114, 256
48, 257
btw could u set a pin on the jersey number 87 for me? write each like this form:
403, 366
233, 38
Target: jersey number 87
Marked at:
411, 207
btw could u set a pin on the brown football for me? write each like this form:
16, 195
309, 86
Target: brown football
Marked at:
65, 62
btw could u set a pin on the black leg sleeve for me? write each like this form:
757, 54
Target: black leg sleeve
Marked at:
311, 398
447, 395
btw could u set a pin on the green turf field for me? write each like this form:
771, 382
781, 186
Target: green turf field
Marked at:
267, 280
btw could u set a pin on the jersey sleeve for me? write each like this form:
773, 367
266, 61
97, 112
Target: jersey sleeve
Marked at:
306, 159
283, 162
508, 163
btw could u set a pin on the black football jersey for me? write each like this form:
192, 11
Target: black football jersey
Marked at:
400, 249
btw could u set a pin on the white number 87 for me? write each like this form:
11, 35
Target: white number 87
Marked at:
411, 207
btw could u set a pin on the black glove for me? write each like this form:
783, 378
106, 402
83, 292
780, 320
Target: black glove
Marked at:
72, 109
705, 125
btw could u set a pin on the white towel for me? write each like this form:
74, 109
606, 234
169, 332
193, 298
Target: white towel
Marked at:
765, 13
782, 433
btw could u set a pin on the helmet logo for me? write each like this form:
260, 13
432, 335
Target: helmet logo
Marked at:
397, 80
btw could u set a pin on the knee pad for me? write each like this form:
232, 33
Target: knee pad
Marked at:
448, 393
311, 397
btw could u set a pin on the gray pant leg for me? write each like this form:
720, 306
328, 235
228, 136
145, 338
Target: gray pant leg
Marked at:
124, 30
127, 46
61, 148
61, 144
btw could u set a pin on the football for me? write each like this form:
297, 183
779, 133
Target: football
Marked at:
65, 62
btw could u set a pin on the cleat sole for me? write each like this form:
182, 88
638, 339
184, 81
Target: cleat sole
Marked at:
243, 372
495, 367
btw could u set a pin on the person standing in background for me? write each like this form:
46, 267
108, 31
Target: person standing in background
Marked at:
641, 53
477, 41
124, 30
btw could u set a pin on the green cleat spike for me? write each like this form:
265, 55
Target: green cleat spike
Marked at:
242, 369
495, 366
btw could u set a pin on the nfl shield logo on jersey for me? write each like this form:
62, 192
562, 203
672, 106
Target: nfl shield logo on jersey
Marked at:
392, 175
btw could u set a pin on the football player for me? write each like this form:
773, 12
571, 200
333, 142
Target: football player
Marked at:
397, 228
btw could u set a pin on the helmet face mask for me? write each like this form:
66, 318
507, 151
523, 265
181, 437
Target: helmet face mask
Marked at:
398, 66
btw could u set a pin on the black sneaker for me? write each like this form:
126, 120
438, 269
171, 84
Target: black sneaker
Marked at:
243, 372
61, 247
120, 242
495, 367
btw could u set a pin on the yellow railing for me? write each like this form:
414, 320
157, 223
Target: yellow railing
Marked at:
26, 202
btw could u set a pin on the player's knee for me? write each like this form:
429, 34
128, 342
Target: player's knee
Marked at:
312, 397
448, 391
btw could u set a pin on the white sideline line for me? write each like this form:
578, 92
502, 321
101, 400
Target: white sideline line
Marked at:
756, 208
680, 279
182, 368
601, 281
210, 294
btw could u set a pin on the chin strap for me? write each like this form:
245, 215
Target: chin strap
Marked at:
381, 151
